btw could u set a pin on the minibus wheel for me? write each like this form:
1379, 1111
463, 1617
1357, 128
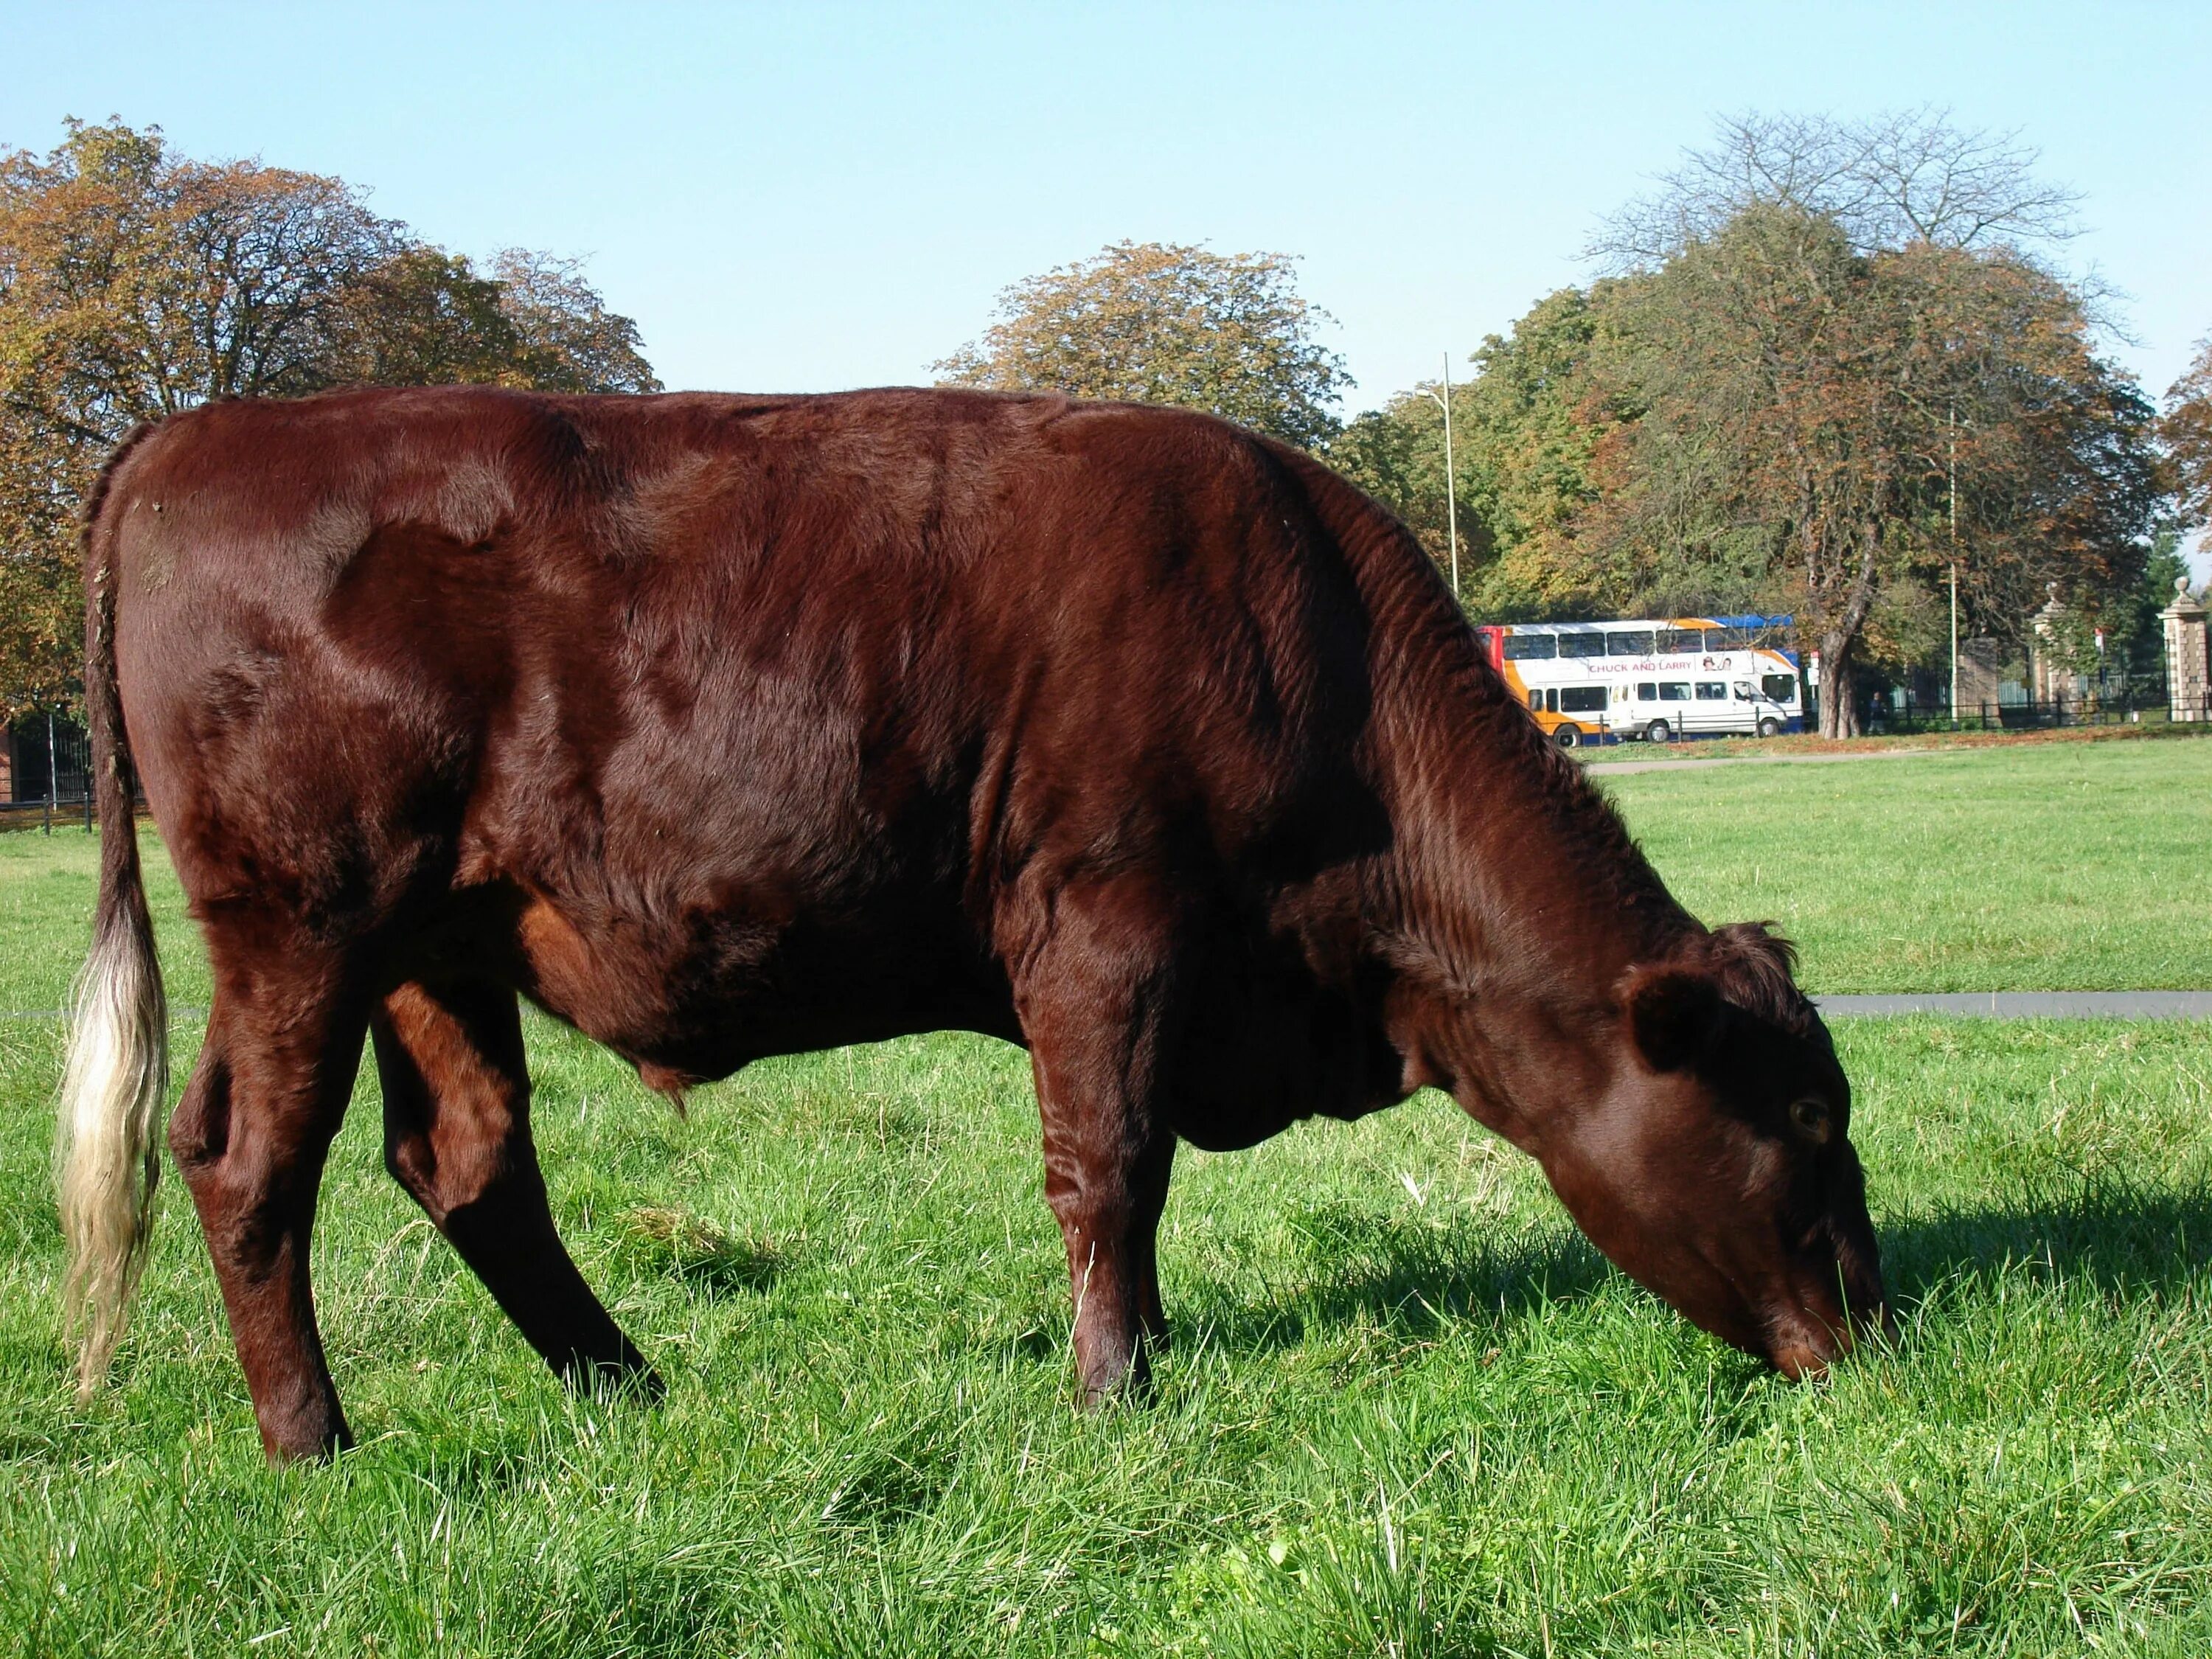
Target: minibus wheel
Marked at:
1770, 727
1658, 731
1568, 737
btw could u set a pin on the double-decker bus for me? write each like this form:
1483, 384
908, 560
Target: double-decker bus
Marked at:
1659, 680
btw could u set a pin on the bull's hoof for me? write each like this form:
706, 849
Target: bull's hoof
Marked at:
616, 1382
312, 1437
1127, 1384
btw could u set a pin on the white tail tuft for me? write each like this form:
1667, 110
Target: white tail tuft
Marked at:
106, 1164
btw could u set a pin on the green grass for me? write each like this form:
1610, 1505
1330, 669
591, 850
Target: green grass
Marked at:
1408, 1411
2074, 866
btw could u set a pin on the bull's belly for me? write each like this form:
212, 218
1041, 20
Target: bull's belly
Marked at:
1268, 1100
695, 1000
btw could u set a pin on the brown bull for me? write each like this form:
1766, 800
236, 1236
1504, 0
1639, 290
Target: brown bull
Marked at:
721, 727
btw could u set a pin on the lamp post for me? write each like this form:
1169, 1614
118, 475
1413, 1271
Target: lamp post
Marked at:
1451, 479
1954, 645
1954, 469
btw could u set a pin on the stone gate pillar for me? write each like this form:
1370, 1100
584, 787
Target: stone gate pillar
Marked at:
2048, 681
1980, 673
2187, 690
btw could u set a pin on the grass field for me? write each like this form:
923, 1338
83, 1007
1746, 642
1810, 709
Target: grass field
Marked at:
2056, 866
1408, 1411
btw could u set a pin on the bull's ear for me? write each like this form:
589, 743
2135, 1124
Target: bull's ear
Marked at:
1676, 1017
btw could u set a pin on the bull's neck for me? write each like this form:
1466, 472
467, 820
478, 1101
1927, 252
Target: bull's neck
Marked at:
1515, 902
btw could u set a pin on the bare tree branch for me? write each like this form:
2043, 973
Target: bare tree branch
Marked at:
1896, 179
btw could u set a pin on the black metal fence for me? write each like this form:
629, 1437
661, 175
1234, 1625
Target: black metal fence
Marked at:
49, 774
2114, 700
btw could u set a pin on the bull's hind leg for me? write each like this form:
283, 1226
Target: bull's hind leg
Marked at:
250, 1137
457, 1136
1094, 1009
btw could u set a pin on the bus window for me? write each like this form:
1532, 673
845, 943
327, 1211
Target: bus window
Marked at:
1782, 688
1536, 701
1531, 648
1712, 691
1674, 691
1646, 691
1551, 700
1582, 700
1728, 638
1582, 645
1674, 640
1636, 644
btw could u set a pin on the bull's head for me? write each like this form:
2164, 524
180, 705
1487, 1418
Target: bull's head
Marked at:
1716, 1168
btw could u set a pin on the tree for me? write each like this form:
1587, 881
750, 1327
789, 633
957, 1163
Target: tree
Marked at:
1814, 328
2134, 622
135, 283
423, 317
2187, 431
1802, 409
1828, 367
565, 338
1527, 430
1149, 322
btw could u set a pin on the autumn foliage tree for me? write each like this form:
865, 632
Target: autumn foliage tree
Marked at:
2187, 430
1802, 410
1826, 368
135, 283
1153, 323
1527, 430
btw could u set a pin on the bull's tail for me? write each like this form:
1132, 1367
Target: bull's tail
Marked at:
106, 1163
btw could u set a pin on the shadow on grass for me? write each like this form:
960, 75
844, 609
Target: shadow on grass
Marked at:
1415, 1281
2124, 1240
1411, 1281
684, 1246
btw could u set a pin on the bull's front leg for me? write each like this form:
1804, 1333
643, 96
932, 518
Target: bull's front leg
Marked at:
1095, 1007
1109, 1199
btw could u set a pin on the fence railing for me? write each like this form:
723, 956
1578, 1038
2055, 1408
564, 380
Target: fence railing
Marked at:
49, 775
2118, 701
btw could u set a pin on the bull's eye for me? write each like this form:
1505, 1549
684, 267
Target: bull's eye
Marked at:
1811, 1117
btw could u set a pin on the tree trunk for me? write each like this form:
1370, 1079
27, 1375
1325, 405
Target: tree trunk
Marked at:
1839, 709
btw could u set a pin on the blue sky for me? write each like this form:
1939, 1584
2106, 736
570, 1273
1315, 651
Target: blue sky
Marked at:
808, 197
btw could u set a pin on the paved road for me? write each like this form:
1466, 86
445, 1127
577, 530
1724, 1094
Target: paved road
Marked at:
2030, 1005
1619, 767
